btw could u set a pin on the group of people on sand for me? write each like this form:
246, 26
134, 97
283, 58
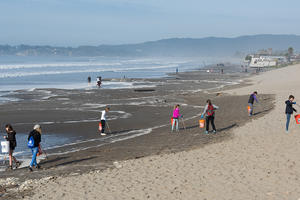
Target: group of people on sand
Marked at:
34, 139
209, 112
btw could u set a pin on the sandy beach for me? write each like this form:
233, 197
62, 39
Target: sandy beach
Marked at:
248, 159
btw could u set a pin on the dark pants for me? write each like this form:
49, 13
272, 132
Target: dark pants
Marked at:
288, 118
212, 120
103, 126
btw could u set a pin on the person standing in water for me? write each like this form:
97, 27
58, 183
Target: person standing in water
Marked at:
35, 135
99, 81
89, 80
289, 110
209, 111
176, 116
11, 138
103, 120
252, 98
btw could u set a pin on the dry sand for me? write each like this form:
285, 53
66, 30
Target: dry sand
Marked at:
260, 162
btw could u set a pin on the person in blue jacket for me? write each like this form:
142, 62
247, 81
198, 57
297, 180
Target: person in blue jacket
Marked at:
289, 111
252, 98
36, 135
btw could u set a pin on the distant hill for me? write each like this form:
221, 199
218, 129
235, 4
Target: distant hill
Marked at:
210, 46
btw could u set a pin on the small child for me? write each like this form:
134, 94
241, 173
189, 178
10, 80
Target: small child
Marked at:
289, 111
103, 120
176, 116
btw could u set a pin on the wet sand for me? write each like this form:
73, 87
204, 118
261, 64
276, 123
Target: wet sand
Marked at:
138, 111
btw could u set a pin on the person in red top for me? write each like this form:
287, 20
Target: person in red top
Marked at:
209, 111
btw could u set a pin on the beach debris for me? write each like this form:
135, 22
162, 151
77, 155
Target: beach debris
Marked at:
144, 90
2, 190
117, 165
219, 94
9, 182
26, 185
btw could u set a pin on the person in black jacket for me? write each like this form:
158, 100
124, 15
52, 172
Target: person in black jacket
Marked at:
11, 137
36, 135
289, 110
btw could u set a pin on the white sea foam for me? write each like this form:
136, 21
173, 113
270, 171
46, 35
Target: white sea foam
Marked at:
58, 64
80, 70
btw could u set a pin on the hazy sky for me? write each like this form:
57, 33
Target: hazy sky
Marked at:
94, 22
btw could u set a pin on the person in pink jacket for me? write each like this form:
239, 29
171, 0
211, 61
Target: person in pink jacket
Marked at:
176, 116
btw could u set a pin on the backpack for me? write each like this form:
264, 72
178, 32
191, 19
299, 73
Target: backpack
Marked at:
210, 110
30, 142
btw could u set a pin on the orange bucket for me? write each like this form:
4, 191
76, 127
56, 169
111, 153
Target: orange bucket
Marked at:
297, 118
201, 123
100, 126
172, 121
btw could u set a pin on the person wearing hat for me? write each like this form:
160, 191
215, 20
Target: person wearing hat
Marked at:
35, 134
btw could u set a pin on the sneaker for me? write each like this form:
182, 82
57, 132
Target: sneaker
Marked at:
38, 166
206, 132
30, 169
103, 134
286, 131
9, 168
215, 131
18, 163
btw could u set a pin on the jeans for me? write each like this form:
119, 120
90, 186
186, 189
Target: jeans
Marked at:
212, 120
103, 126
175, 121
34, 152
288, 117
251, 109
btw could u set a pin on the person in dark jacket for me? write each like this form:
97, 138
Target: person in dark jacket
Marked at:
11, 137
252, 98
289, 111
36, 135
209, 111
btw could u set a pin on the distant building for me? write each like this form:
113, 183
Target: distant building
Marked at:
260, 61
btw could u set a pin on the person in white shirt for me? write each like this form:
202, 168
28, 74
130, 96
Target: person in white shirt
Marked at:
103, 119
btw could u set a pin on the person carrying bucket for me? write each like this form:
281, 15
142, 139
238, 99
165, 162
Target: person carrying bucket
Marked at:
11, 138
289, 111
34, 140
209, 111
103, 120
175, 118
252, 98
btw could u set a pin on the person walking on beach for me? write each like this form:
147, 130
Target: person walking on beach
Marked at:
209, 111
289, 111
176, 116
35, 137
252, 98
103, 120
11, 138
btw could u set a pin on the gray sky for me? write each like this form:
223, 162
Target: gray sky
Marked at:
94, 22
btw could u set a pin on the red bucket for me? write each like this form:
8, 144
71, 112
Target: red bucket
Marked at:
297, 118
172, 121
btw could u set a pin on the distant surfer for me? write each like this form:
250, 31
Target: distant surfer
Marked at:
177, 70
99, 81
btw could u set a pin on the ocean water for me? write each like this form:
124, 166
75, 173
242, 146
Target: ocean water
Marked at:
19, 73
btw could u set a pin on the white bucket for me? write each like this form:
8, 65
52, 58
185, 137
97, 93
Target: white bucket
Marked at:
5, 146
